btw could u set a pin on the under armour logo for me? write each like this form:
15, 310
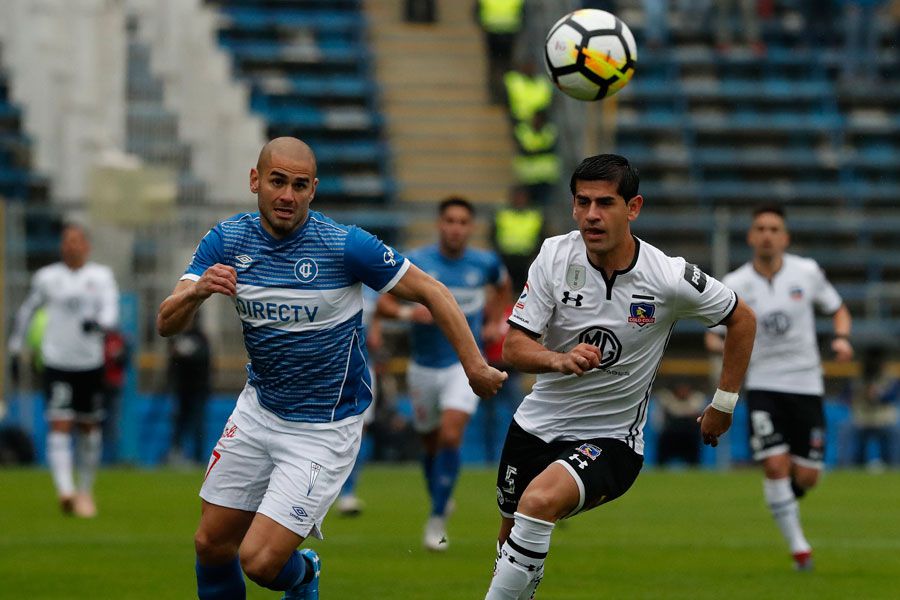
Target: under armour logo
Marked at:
567, 298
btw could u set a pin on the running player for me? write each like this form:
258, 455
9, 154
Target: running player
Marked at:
593, 322
784, 381
295, 277
82, 302
442, 402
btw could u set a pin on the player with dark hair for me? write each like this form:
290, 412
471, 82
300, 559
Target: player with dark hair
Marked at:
295, 277
443, 403
82, 302
784, 381
593, 322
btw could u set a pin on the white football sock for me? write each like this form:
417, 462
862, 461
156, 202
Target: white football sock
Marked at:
521, 558
786, 512
90, 447
59, 457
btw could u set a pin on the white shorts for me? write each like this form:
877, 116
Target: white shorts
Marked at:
290, 472
435, 390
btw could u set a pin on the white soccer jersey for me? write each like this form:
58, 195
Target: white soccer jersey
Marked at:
785, 353
629, 316
72, 297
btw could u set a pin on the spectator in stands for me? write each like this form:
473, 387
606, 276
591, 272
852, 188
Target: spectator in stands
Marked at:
295, 277
115, 361
190, 375
727, 21
678, 439
82, 302
528, 90
873, 400
784, 385
861, 41
536, 164
517, 233
501, 21
819, 17
656, 23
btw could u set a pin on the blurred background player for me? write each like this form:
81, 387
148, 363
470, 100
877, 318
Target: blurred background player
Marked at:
873, 404
190, 375
679, 408
442, 401
784, 384
295, 277
82, 302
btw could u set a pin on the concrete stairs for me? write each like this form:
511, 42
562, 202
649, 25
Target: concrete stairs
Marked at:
444, 135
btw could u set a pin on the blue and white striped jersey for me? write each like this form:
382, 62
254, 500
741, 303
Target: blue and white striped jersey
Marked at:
300, 303
465, 277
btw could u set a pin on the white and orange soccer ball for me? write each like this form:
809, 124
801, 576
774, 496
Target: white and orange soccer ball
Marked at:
590, 54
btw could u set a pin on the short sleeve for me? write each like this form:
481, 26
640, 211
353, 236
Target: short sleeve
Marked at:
825, 297
703, 297
210, 250
535, 306
372, 261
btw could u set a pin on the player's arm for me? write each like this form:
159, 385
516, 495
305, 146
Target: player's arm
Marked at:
523, 351
840, 345
738, 346
418, 286
177, 311
389, 307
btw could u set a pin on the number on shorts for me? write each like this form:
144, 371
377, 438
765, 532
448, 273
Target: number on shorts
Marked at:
510, 480
762, 423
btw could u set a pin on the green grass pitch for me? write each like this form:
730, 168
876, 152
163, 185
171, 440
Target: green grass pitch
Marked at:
690, 535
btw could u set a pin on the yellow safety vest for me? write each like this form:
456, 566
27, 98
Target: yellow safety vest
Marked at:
533, 142
518, 231
527, 95
537, 161
501, 16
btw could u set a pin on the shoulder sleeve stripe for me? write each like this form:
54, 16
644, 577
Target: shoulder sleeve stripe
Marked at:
400, 273
730, 311
522, 328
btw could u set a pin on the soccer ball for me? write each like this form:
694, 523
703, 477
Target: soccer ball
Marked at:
590, 54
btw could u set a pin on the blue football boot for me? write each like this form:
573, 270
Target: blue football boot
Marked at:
307, 591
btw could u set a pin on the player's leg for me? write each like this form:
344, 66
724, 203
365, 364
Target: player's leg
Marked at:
235, 483
583, 477
88, 405
216, 542
768, 440
806, 436
60, 456
424, 392
311, 464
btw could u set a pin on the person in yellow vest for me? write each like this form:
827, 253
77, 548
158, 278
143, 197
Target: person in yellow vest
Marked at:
536, 163
517, 233
527, 91
501, 21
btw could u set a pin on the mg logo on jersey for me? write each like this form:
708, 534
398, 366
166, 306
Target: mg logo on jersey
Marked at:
776, 324
305, 270
576, 300
606, 340
389, 257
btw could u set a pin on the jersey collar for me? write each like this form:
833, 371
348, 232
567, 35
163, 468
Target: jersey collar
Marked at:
609, 281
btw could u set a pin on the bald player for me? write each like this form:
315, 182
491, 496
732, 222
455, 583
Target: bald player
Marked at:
295, 278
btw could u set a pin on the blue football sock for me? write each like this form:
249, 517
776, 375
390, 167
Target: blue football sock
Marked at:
221, 582
428, 466
292, 573
446, 471
350, 484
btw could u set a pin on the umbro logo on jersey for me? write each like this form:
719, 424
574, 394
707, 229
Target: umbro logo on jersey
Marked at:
298, 513
243, 261
567, 297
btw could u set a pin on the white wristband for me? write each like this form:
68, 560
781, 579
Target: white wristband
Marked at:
724, 401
